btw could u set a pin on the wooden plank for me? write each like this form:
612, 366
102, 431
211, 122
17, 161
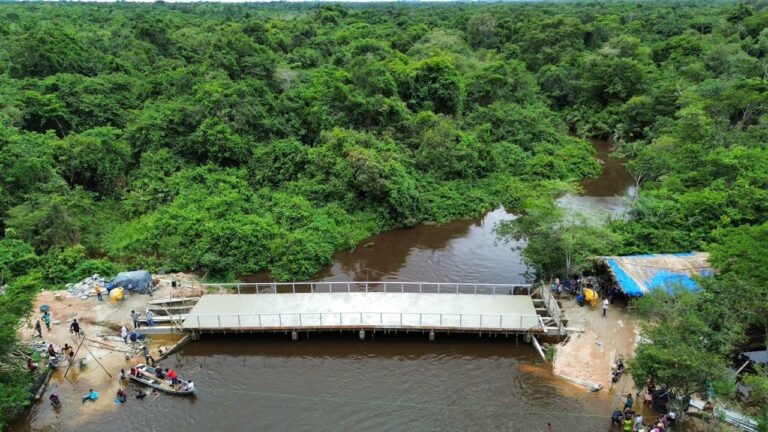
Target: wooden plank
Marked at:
538, 348
181, 343
44, 385
165, 318
159, 330
172, 300
156, 308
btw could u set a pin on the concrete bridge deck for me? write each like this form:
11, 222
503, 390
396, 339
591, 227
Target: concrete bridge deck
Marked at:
365, 311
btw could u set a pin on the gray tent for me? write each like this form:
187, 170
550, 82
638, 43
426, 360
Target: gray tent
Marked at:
139, 281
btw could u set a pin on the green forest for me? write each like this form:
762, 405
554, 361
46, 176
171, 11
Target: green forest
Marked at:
231, 139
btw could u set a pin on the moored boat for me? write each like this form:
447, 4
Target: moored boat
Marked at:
147, 375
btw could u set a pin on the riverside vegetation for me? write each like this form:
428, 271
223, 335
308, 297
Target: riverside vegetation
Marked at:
229, 139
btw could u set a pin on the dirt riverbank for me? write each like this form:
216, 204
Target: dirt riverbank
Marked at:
102, 349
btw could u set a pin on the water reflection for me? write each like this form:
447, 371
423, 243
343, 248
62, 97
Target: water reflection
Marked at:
459, 251
607, 195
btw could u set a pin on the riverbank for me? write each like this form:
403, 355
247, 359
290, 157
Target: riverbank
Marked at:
587, 356
102, 350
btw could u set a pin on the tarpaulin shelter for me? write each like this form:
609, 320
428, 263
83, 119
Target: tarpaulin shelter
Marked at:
139, 281
638, 275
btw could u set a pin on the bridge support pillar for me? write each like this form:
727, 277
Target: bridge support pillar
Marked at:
528, 338
194, 336
431, 335
362, 335
294, 335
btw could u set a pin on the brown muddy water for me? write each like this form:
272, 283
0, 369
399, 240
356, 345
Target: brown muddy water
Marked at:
402, 382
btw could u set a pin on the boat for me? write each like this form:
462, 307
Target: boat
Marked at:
149, 377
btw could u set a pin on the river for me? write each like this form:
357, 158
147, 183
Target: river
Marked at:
392, 382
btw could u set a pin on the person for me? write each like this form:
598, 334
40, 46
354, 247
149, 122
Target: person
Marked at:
188, 386
51, 350
98, 293
171, 374
121, 396
147, 358
628, 404
627, 423
91, 396
135, 317
150, 318
580, 299
39, 329
708, 407
67, 349
47, 320
124, 334
616, 418
638, 422
123, 376
141, 394
71, 356
133, 337
605, 306
54, 398
31, 365
53, 363
650, 385
75, 327
672, 417
159, 373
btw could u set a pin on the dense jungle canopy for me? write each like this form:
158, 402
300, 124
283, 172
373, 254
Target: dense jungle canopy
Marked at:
229, 139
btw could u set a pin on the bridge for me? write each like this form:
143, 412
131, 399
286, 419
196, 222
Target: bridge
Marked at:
375, 306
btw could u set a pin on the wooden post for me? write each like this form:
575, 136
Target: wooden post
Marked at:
73, 357
97, 361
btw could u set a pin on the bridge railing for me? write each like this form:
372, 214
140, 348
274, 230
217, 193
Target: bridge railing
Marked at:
374, 286
553, 308
364, 319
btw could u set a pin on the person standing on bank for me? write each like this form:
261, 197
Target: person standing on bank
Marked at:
98, 293
75, 327
39, 329
135, 317
150, 318
47, 320
605, 306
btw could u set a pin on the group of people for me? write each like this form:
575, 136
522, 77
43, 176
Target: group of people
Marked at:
132, 335
136, 318
164, 374
630, 421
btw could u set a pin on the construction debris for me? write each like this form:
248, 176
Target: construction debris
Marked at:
85, 287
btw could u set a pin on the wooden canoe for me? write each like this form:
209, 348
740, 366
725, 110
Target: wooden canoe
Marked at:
149, 378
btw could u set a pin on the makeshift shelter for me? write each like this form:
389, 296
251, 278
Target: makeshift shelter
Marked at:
637, 275
139, 281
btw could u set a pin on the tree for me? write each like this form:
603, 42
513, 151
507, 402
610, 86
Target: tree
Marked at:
435, 85
688, 342
558, 243
96, 159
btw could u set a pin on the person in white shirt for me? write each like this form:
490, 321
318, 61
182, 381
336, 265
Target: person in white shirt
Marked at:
605, 306
189, 386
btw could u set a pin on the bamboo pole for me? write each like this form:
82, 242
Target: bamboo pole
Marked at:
97, 361
74, 356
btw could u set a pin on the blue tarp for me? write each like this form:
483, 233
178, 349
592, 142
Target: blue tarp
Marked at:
139, 281
637, 275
